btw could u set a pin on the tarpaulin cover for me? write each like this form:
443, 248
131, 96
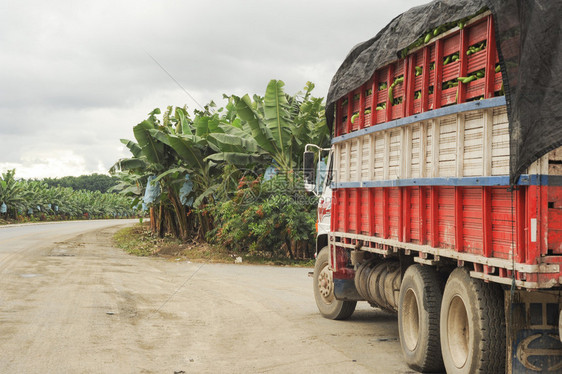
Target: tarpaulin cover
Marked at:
529, 47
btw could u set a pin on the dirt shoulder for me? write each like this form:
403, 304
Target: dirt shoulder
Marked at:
138, 240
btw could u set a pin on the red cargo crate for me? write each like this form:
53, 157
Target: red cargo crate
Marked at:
433, 84
485, 221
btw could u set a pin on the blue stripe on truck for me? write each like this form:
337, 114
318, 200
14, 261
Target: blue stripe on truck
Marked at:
441, 112
524, 180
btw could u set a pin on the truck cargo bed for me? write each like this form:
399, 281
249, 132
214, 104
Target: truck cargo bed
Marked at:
437, 183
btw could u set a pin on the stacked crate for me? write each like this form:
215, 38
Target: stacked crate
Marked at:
427, 78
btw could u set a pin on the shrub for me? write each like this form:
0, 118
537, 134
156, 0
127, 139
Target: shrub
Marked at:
275, 218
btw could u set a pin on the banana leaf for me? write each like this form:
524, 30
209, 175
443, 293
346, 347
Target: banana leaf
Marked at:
187, 149
237, 142
276, 114
237, 158
133, 147
173, 172
259, 132
151, 148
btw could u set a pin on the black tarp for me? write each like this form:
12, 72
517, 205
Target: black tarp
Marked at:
529, 46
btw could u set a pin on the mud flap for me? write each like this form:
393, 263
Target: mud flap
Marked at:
533, 340
344, 289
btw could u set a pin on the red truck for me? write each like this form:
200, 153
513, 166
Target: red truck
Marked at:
431, 209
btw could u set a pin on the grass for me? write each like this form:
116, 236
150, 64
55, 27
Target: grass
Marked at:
138, 240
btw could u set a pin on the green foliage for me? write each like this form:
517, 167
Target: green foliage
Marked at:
266, 217
216, 148
12, 193
35, 200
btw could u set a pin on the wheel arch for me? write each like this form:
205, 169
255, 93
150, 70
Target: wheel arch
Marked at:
321, 242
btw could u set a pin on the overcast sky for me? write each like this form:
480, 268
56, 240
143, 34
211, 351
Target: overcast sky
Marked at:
76, 76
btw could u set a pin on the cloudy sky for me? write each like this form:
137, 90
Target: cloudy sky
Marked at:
76, 76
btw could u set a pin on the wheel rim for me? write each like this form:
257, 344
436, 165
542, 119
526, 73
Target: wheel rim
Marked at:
458, 332
410, 320
325, 285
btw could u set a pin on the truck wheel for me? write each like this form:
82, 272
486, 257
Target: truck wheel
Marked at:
327, 304
418, 318
472, 325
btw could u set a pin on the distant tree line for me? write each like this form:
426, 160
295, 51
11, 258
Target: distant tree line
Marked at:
93, 182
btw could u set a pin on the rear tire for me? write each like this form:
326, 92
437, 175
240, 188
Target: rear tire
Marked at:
418, 318
323, 284
472, 325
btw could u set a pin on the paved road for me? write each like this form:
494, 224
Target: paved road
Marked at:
71, 303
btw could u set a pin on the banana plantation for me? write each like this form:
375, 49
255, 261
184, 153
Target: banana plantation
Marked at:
229, 175
34, 200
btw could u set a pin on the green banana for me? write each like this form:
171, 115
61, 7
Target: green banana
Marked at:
404, 52
438, 30
354, 117
466, 80
418, 70
390, 94
450, 84
475, 48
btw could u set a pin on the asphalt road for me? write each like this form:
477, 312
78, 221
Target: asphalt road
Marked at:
72, 303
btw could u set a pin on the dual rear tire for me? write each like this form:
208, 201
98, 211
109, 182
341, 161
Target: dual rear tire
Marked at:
418, 318
459, 328
472, 325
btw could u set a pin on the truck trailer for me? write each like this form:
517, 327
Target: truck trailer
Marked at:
443, 198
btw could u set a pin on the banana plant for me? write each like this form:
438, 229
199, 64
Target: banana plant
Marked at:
269, 121
281, 125
152, 156
11, 193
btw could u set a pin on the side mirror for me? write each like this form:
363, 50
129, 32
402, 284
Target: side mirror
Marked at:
309, 167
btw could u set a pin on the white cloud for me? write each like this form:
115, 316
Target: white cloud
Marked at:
48, 164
